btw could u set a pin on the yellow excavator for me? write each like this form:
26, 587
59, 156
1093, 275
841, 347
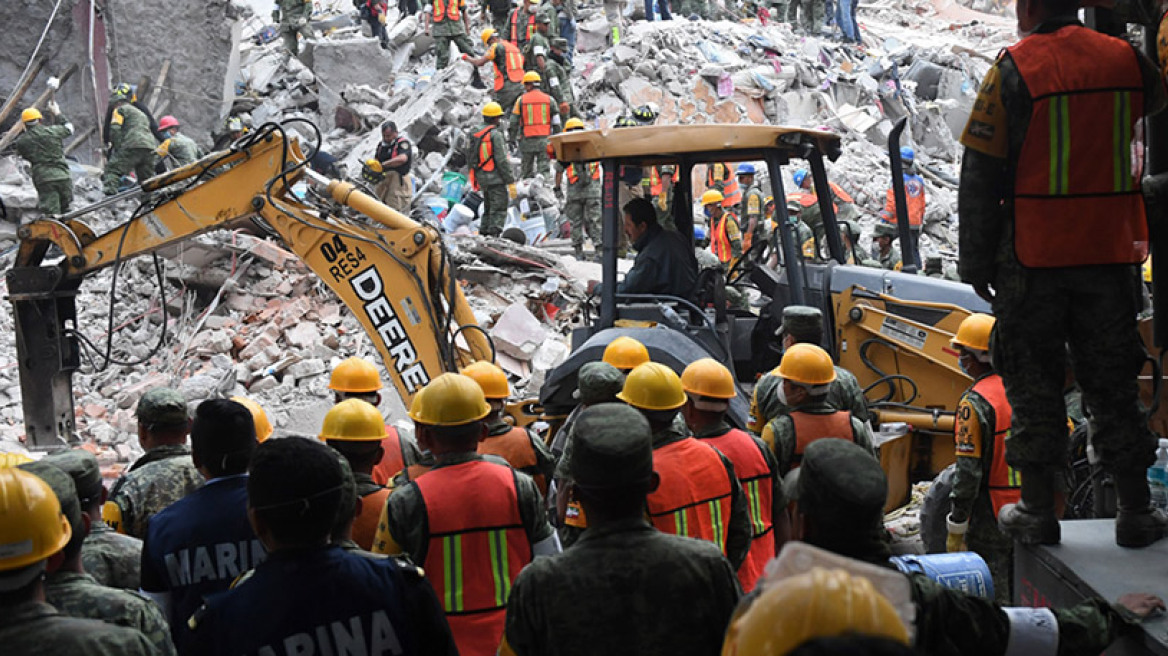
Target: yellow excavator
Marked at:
393, 273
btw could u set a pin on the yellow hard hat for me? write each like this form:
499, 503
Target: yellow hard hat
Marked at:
353, 420
710, 378
625, 353
449, 400
13, 459
492, 109
573, 124
263, 427
807, 364
356, 375
653, 386
712, 196
31, 114
974, 332
32, 527
489, 377
821, 603
531, 76
373, 165
487, 34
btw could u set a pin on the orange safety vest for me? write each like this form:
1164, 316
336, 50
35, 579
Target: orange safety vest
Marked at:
693, 499
512, 69
839, 193
393, 460
719, 172
655, 186
365, 525
757, 480
515, 447
1004, 481
810, 427
515, 27
535, 113
593, 168
449, 13
486, 155
914, 200
477, 547
719, 241
1076, 201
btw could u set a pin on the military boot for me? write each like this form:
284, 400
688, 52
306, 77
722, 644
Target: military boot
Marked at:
579, 251
1032, 520
1137, 524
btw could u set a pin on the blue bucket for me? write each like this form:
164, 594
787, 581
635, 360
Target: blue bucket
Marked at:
964, 571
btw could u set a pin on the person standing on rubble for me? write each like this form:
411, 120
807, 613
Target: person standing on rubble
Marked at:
396, 155
811, 15
43, 146
179, 147
725, 235
1054, 246
533, 120
521, 23
508, 64
558, 73
582, 207
752, 208
535, 55
495, 13
447, 23
567, 28
293, 17
490, 170
133, 143
374, 12
914, 195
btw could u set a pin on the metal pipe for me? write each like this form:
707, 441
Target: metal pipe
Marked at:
826, 206
908, 250
792, 261
611, 238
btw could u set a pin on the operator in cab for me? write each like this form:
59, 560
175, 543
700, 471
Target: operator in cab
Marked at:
665, 263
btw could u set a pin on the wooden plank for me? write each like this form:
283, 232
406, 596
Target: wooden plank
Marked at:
153, 105
80, 140
15, 130
19, 92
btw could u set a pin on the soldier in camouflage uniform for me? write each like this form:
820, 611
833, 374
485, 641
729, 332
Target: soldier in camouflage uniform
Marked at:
582, 207
42, 146
29, 626
109, 557
528, 121
179, 147
694, 8
447, 23
884, 250
578, 603
164, 474
840, 491
811, 13
1082, 293
559, 80
804, 238
73, 592
538, 49
293, 16
133, 144
753, 209
490, 169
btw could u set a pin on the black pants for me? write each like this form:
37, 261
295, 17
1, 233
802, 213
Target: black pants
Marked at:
378, 29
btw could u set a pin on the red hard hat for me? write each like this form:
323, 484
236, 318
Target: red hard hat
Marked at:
167, 122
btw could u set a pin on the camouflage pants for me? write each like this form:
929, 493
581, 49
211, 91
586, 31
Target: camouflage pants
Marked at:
495, 200
1092, 312
507, 96
781, 7
291, 35
442, 44
584, 213
139, 160
690, 7
535, 158
54, 196
811, 14
499, 21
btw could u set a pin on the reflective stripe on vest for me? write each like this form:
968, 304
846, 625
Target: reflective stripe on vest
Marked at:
721, 173
514, 32
365, 524
757, 479
1076, 200
393, 459
1004, 481
512, 69
477, 546
655, 186
535, 109
693, 499
810, 427
719, 241
593, 168
486, 149
515, 447
449, 13
839, 193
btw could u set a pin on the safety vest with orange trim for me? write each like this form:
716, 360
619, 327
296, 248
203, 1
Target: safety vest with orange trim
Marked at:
392, 460
1076, 199
446, 10
535, 113
721, 176
477, 547
515, 447
573, 174
914, 198
811, 427
757, 480
512, 68
1005, 482
693, 499
655, 186
365, 524
720, 243
486, 163
514, 32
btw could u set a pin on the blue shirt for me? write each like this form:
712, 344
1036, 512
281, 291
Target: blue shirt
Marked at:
197, 546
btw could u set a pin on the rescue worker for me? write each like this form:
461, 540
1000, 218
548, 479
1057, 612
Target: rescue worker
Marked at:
356, 430
448, 23
558, 74
665, 263
310, 596
625, 353
661, 189
699, 495
263, 425
508, 64
720, 177
692, 8
709, 387
471, 524
76, 594
521, 23
133, 143
842, 203
164, 474
840, 493
538, 49
811, 14
582, 207
914, 195
521, 448
884, 251
725, 234
110, 558
1080, 290
490, 170
43, 147
357, 378
179, 147
982, 482
807, 372
668, 595
199, 545
395, 154
850, 236
533, 120
374, 12
293, 17
804, 238
499, 11
29, 626
567, 29
551, 9
753, 205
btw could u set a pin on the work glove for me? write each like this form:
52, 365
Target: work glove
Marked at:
53, 108
384, 18
53, 83
512, 191
465, 57
956, 540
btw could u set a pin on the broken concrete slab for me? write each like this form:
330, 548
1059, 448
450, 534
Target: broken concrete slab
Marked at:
518, 333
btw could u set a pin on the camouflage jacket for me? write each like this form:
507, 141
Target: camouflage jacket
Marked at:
844, 394
168, 475
559, 85
130, 129
293, 10
111, 558
42, 145
502, 173
975, 454
33, 628
779, 434
78, 595
183, 149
